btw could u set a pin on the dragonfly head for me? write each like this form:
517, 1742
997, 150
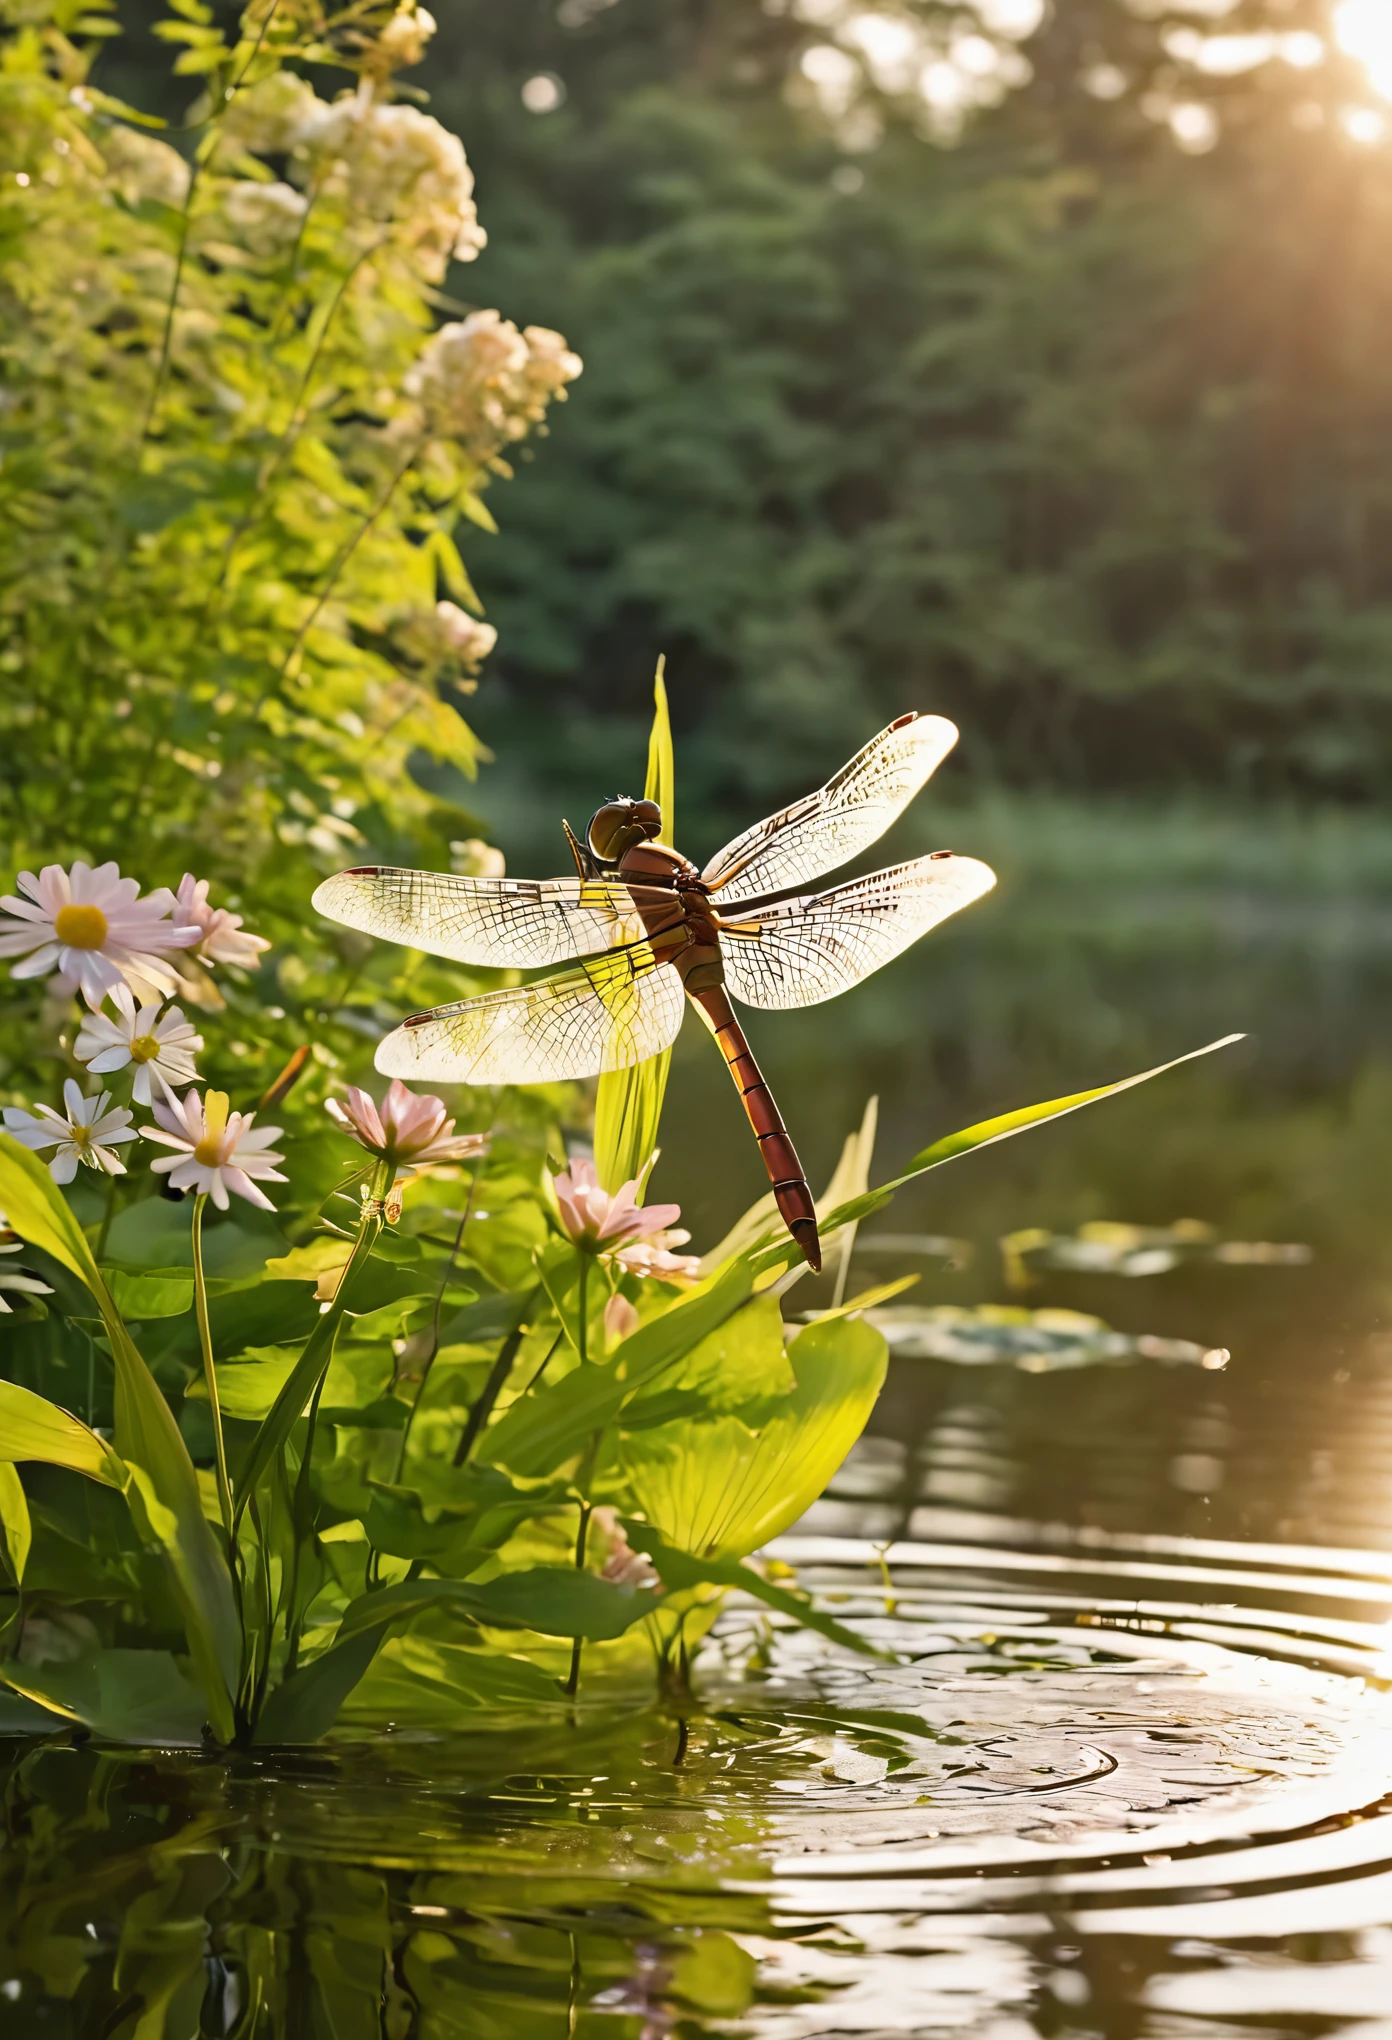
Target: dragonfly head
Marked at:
621, 823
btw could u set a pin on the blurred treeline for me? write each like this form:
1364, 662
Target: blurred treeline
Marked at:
1064, 431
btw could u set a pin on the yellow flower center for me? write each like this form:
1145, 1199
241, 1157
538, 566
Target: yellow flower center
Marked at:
209, 1149
80, 927
144, 1048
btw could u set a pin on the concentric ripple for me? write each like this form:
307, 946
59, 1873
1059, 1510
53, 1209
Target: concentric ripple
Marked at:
1139, 1789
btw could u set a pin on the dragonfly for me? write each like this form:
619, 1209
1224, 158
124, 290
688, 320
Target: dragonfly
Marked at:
643, 932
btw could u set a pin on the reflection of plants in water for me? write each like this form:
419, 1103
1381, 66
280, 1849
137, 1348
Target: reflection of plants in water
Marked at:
170, 1898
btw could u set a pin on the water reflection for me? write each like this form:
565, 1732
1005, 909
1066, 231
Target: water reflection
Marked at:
1085, 1783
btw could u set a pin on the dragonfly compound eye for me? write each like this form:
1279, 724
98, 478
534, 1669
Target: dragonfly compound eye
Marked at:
619, 824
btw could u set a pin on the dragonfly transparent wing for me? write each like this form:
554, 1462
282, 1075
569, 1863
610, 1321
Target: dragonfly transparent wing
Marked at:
606, 1014
828, 828
509, 923
802, 951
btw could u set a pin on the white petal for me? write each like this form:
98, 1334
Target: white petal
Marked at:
63, 1166
106, 1060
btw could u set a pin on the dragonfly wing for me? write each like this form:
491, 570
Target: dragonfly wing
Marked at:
826, 829
606, 1014
802, 951
508, 923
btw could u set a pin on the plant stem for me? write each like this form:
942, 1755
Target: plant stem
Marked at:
340, 561
167, 340
572, 1685
455, 1251
205, 1340
584, 1339
493, 1387
107, 1216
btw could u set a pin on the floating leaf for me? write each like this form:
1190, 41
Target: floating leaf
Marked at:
1106, 1247
1035, 1341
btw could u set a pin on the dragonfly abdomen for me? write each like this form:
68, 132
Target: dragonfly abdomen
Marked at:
791, 1190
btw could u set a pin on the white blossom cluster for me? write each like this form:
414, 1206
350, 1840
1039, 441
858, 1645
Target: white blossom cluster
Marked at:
481, 381
390, 166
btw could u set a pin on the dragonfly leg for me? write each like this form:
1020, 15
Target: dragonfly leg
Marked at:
791, 1190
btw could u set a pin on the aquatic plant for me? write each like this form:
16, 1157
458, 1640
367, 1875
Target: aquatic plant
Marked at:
470, 1430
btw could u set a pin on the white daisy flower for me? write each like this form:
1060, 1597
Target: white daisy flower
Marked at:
11, 1278
218, 1150
160, 1045
89, 1133
93, 929
218, 936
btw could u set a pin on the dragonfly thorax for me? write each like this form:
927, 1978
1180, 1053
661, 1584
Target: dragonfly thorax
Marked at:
621, 823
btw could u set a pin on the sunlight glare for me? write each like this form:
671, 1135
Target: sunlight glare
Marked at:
1363, 30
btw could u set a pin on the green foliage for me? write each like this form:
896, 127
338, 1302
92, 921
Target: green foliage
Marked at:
628, 1102
380, 1483
235, 474
1077, 437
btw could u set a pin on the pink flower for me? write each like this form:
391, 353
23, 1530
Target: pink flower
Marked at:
620, 1318
654, 1257
598, 1221
218, 1150
623, 1565
408, 1132
217, 937
93, 929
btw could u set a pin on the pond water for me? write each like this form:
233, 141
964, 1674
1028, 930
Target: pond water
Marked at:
1128, 1770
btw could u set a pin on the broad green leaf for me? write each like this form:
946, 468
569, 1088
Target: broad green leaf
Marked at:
136, 1696
14, 1520
559, 1600
417, 1680
490, 1318
163, 1490
740, 1487
249, 1385
628, 1102
33, 1428
741, 1362
683, 1570
167, 1505
552, 1600
38, 1212
984, 1134
165, 1292
541, 1431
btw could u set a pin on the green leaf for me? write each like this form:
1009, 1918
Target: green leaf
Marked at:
165, 1292
33, 1428
984, 1134
683, 1570
553, 1600
14, 1520
38, 1212
740, 1486
306, 1373
163, 1486
559, 1600
628, 1102
743, 1361
541, 1431
137, 1696
489, 1319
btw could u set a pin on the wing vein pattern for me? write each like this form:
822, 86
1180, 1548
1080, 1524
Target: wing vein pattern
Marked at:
607, 1014
824, 830
805, 950
505, 923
